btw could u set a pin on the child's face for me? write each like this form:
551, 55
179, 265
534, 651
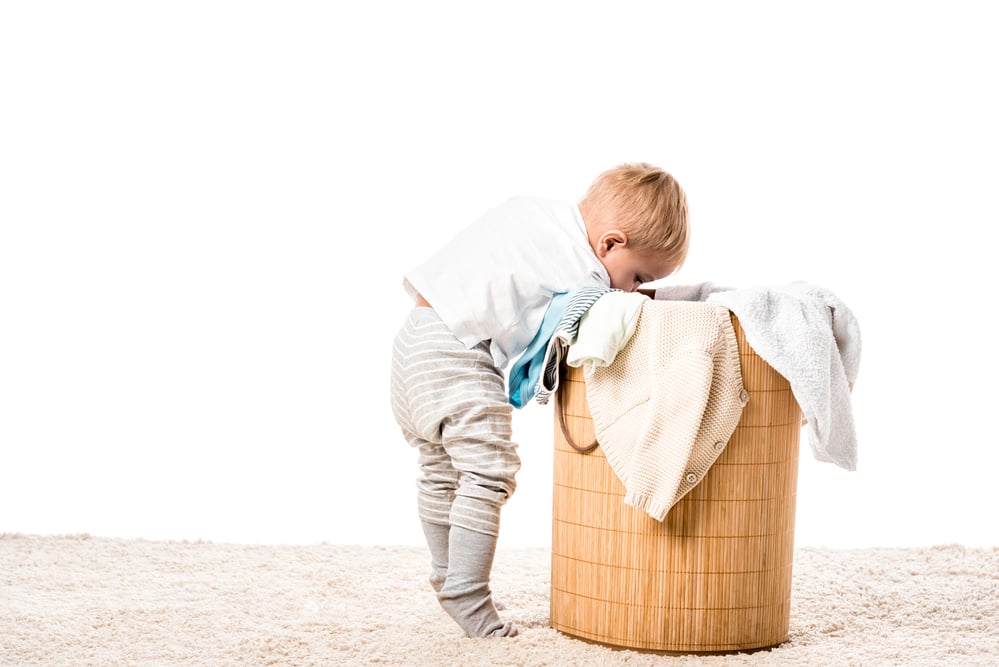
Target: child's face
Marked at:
630, 268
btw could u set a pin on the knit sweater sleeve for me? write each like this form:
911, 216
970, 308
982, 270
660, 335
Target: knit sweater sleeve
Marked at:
665, 441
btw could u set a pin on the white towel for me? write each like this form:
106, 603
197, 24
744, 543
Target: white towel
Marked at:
698, 292
811, 338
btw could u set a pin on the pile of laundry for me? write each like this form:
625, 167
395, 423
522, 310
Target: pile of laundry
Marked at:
651, 364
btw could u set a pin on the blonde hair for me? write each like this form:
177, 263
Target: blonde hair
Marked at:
644, 202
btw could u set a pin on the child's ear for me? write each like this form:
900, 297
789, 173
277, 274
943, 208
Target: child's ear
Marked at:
609, 240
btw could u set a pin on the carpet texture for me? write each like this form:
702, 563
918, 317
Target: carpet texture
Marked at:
83, 600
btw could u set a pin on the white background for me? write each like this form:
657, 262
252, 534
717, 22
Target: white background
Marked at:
206, 209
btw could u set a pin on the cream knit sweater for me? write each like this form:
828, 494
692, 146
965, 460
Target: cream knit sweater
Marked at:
664, 410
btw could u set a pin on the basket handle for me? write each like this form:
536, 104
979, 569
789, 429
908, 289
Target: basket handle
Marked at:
560, 410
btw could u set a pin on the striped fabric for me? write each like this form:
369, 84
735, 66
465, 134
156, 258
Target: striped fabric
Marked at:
451, 404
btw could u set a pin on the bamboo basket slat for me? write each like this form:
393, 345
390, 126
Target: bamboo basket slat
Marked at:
715, 575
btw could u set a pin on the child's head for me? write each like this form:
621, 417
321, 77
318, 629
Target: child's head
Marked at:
636, 221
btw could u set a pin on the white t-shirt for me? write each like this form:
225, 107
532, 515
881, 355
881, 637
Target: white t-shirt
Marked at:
495, 279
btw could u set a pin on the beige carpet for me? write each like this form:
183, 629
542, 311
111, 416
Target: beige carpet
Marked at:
92, 601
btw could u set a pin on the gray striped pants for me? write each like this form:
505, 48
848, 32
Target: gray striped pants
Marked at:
451, 404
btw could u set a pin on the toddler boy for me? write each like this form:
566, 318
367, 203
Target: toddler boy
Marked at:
479, 302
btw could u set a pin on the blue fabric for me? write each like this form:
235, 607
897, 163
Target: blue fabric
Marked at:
526, 371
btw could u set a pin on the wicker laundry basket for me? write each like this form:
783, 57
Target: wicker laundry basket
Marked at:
715, 575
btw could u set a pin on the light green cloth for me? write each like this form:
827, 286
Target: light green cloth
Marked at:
605, 328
